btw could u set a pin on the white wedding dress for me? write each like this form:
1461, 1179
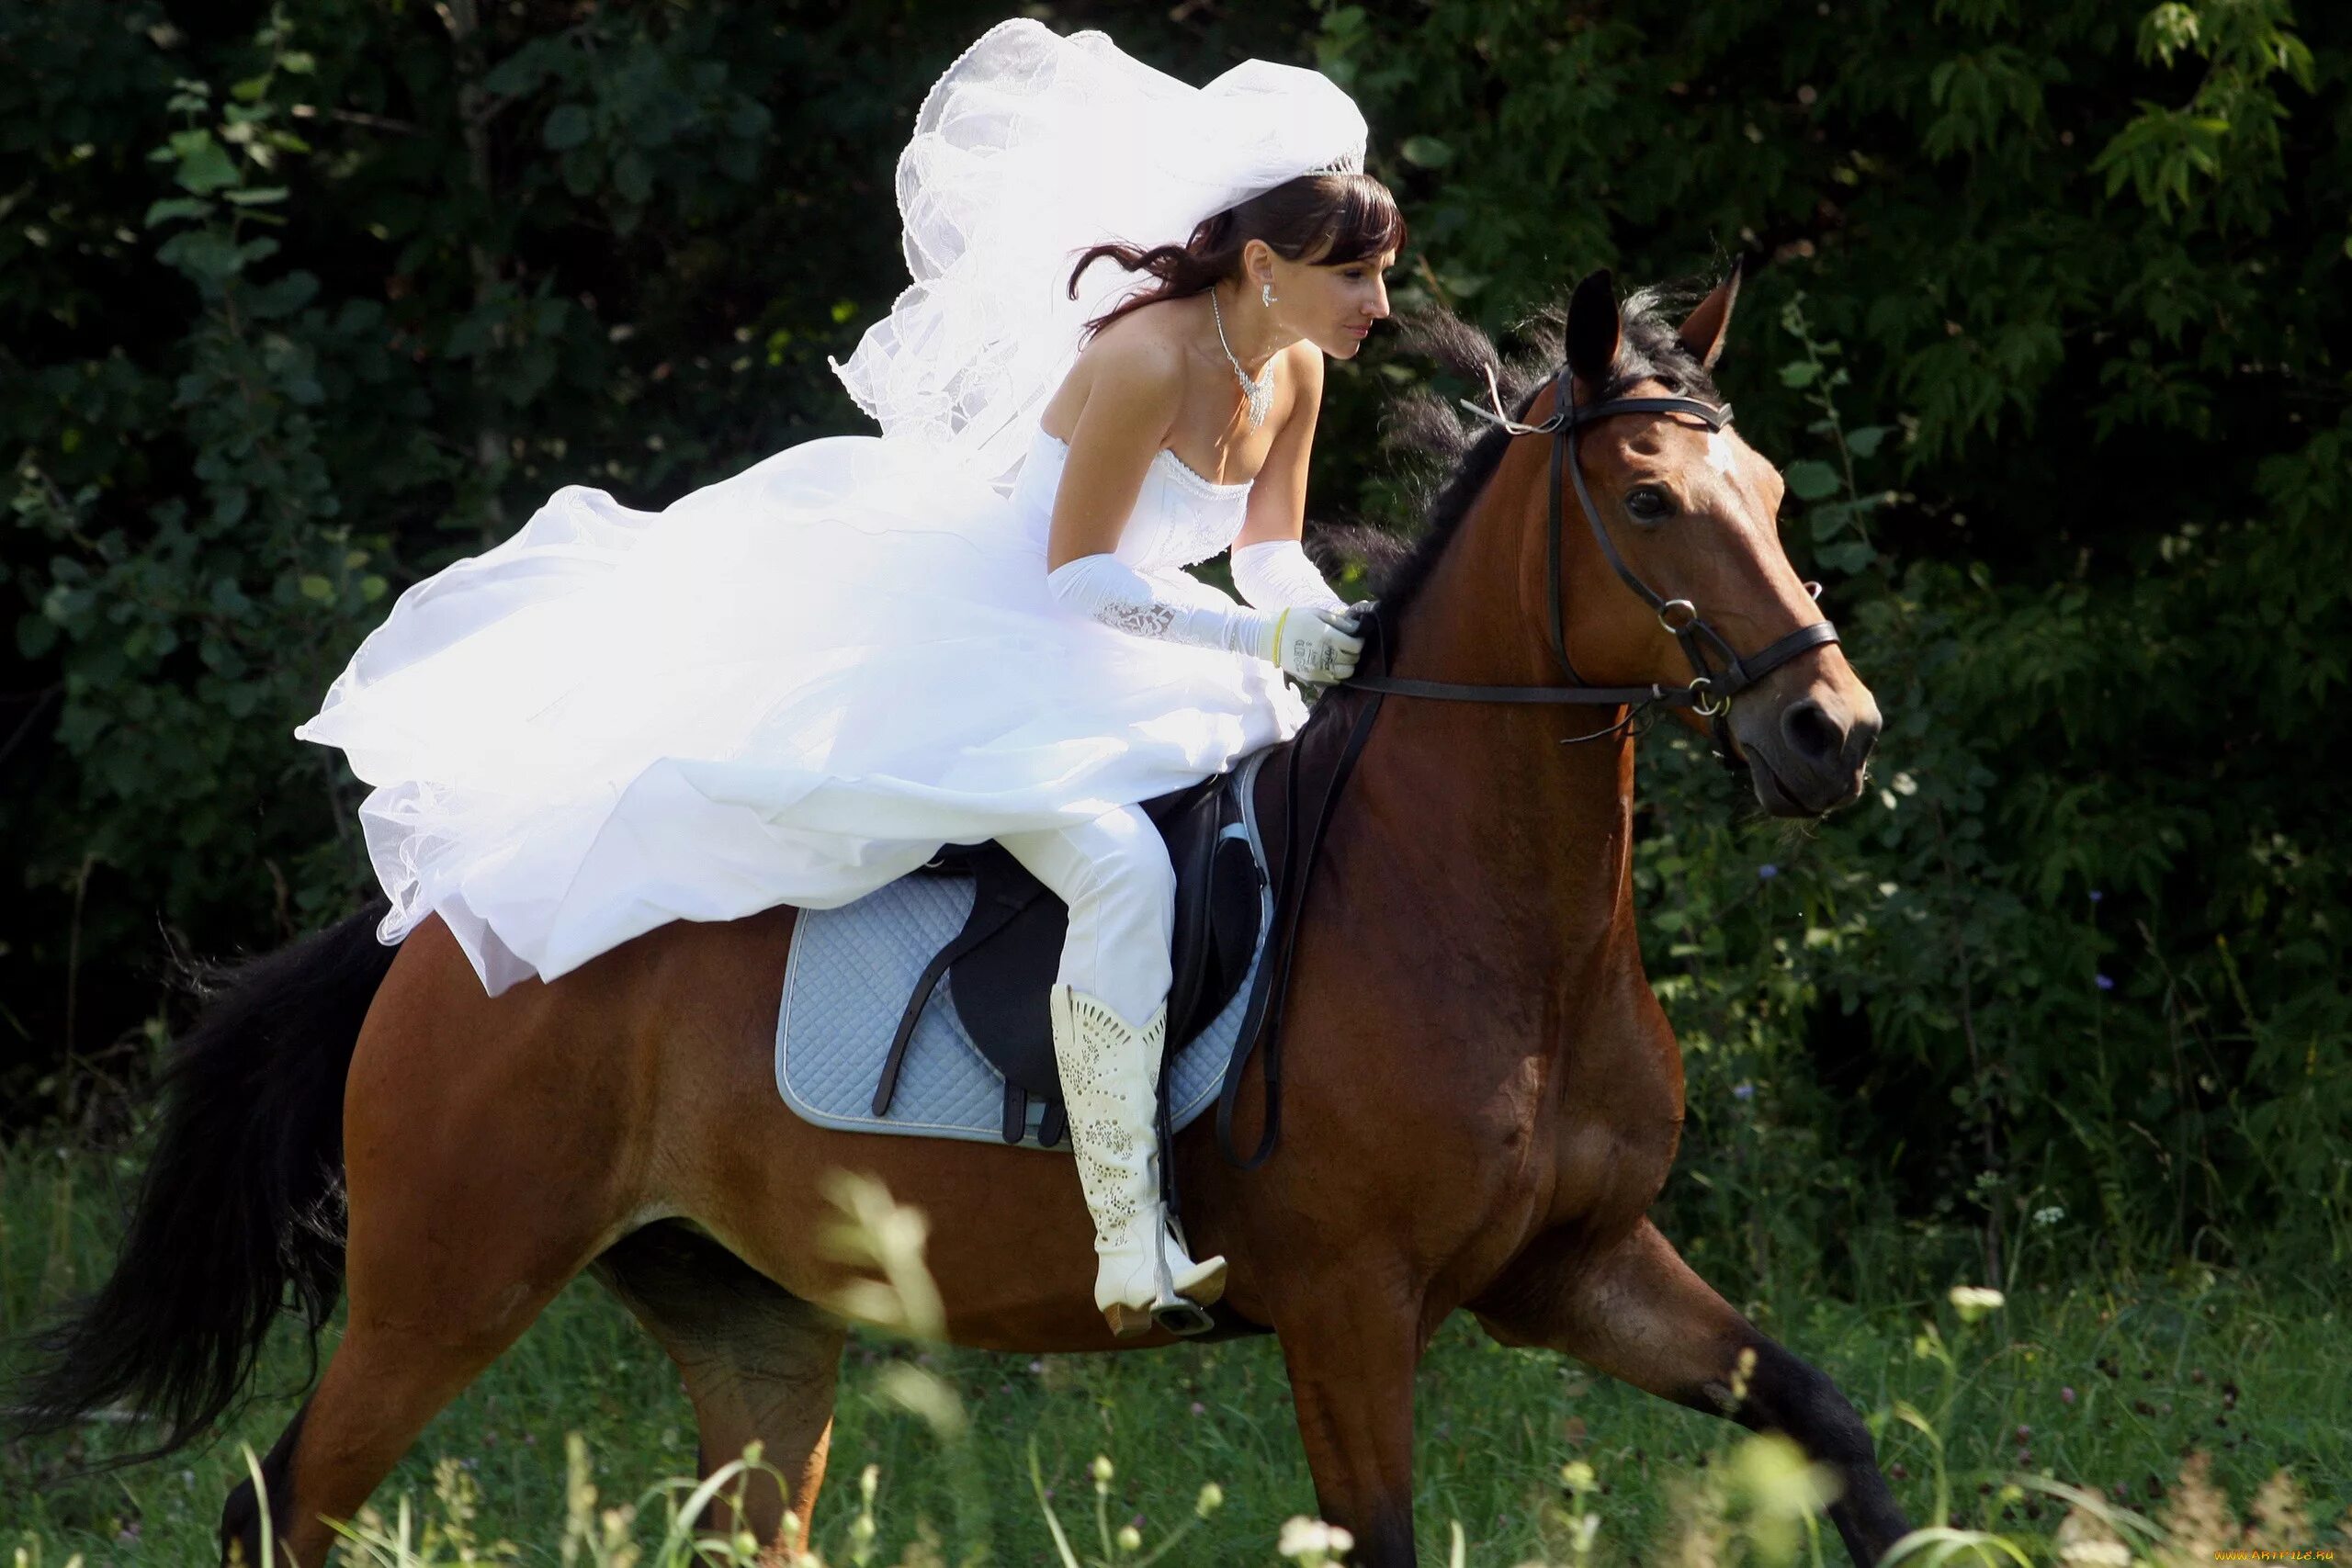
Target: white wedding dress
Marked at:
795, 684
787, 688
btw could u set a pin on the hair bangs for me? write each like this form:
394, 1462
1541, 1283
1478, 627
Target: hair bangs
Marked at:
1363, 221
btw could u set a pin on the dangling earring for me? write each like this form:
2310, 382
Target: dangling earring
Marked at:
1266, 295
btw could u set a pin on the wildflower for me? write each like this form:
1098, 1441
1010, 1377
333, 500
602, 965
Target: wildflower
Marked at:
1781, 1487
2105, 982
1743, 1091
2066, 1397
1198, 1409
1577, 1476
2096, 895
2049, 1216
1102, 1470
1973, 1301
1767, 872
1312, 1541
1129, 1537
1212, 1498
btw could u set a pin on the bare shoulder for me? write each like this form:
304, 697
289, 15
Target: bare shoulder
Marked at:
1143, 346
1133, 372
1305, 368
1302, 370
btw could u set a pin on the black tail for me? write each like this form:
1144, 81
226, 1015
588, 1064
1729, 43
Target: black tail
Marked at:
241, 1199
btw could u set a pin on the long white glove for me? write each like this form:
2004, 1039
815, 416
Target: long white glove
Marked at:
1276, 575
1308, 645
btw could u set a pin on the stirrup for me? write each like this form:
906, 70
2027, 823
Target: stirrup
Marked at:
1179, 1315
1184, 1317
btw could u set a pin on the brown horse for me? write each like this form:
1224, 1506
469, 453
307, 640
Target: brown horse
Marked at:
1482, 1098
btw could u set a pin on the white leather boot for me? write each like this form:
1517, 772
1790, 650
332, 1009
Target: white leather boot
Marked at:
1109, 1072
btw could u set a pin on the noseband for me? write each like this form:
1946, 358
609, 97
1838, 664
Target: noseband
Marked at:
1718, 674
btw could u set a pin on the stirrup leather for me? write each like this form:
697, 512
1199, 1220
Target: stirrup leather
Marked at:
1110, 1075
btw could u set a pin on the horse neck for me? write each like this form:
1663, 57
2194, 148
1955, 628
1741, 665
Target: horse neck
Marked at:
1524, 834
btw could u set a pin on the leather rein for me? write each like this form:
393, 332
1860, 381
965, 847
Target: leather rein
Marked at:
1718, 674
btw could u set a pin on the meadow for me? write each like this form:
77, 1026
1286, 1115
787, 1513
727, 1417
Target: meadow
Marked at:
2091, 1385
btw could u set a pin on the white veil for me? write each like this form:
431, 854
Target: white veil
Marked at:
1030, 149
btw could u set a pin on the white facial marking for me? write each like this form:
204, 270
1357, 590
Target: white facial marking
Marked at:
1719, 452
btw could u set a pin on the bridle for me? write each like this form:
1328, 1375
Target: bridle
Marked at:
1718, 674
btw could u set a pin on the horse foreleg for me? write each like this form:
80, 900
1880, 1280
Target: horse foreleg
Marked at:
759, 1363
1351, 1358
1635, 1311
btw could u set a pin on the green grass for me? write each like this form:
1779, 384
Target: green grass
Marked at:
2256, 1376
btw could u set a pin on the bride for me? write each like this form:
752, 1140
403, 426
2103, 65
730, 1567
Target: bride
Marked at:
796, 684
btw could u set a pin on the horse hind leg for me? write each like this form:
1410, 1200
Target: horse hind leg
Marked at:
759, 1364
1635, 1311
478, 1164
412, 1344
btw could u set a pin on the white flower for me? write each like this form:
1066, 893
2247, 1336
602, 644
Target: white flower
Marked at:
1312, 1540
1973, 1301
2049, 1216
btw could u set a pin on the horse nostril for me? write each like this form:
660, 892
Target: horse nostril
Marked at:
1861, 740
1812, 732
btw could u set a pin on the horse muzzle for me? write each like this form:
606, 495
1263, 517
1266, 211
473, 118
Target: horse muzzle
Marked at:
1808, 757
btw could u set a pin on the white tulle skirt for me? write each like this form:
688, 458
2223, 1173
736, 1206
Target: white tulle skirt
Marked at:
787, 688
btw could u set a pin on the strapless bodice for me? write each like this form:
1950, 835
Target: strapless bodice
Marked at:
1180, 518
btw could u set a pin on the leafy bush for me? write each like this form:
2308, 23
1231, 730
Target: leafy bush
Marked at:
297, 306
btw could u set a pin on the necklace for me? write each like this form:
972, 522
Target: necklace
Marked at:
1260, 392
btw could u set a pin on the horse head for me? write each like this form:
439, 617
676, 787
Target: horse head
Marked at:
1683, 513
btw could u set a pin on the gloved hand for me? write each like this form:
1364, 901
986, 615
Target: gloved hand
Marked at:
1317, 646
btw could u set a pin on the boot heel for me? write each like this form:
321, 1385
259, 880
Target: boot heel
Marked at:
1127, 1322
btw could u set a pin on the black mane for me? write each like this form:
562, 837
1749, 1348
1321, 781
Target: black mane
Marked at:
1467, 453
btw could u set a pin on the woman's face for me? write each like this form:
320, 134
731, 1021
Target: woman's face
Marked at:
1331, 306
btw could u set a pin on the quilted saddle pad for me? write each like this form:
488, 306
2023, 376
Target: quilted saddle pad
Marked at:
847, 981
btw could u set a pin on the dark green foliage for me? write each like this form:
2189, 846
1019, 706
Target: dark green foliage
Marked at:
2045, 326
2047, 343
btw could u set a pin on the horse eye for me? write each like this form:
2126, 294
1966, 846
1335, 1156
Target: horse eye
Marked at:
1648, 503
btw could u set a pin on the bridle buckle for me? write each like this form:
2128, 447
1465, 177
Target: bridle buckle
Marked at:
1701, 688
1665, 615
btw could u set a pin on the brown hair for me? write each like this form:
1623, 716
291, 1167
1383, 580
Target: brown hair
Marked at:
1331, 220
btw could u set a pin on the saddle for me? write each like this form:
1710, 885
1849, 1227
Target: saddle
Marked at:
1001, 966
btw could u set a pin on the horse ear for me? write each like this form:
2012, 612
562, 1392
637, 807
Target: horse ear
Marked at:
1704, 330
1593, 328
